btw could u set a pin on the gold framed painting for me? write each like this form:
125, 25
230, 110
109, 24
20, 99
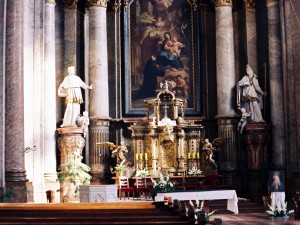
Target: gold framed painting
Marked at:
161, 43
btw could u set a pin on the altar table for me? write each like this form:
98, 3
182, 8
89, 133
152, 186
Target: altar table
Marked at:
230, 195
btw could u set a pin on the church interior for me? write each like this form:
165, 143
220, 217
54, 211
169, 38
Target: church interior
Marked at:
183, 89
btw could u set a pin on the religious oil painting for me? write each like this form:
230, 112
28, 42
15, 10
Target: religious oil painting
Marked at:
160, 46
276, 181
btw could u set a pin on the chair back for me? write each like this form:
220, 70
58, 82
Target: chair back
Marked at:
123, 182
141, 182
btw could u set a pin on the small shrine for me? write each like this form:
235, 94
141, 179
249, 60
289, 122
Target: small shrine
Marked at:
164, 141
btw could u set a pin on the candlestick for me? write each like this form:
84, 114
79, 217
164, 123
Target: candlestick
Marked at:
137, 156
198, 155
194, 155
141, 156
189, 155
146, 156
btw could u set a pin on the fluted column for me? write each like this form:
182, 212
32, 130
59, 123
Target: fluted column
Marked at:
15, 174
70, 28
98, 75
276, 84
226, 83
50, 94
251, 34
2, 90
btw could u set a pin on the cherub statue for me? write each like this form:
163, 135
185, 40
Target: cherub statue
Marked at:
83, 122
243, 121
117, 151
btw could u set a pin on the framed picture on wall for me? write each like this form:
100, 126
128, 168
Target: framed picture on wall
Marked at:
161, 42
276, 181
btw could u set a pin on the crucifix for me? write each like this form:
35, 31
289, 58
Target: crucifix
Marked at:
166, 112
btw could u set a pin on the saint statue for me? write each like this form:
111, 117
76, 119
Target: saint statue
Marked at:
71, 89
250, 95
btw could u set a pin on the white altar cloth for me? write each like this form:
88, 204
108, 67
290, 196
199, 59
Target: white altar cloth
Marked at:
230, 195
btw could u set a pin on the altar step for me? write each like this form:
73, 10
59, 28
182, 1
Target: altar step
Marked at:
88, 213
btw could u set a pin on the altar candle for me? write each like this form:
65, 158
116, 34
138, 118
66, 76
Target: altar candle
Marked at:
141, 156
194, 155
198, 155
189, 155
146, 156
137, 156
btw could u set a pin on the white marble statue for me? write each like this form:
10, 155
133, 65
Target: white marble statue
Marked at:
83, 122
250, 95
70, 88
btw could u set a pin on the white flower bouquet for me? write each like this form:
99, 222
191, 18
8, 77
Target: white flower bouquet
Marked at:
142, 173
279, 211
194, 172
199, 207
162, 184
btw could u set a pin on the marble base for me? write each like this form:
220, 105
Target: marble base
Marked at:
98, 193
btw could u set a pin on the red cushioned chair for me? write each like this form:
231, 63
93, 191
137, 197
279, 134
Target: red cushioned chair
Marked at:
124, 187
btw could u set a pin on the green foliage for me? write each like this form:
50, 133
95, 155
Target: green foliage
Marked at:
8, 194
74, 172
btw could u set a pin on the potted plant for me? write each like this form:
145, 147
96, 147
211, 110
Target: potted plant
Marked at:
71, 175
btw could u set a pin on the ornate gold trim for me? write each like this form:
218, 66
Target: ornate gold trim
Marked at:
98, 3
223, 3
194, 4
50, 1
117, 6
70, 4
249, 4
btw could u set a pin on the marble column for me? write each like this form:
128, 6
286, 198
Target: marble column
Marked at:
276, 84
226, 83
251, 34
15, 174
99, 100
2, 90
50, 94
70, 28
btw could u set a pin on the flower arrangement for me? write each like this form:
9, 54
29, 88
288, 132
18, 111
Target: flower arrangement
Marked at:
279, 211
162, 184
142, 173
199, 207
120, 168
194, 172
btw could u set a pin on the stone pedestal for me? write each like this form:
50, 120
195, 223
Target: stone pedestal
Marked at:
256, 139
98, 193
70, 143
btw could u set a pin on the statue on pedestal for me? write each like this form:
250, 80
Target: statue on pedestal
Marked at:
70, 88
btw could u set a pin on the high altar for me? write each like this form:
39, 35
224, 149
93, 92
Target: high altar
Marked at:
164, 141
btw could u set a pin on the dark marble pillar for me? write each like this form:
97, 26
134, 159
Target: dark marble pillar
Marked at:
2, 86
276, 84
15, 175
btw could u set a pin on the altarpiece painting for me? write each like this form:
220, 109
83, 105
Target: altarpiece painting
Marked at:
161, 44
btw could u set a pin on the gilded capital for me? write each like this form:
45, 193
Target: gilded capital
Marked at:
50, 1
223, 3
97, 3
249, 4
270, 1
117, 6
70, 4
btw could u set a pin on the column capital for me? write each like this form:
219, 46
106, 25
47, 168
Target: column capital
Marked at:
97, 3
271, 1
117, 6
70, 4
50, 1
249, 4
223, 3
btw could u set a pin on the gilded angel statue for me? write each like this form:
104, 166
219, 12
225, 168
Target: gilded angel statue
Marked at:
210, 147
117, 151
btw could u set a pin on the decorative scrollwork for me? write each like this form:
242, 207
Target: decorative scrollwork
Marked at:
98, 3
70, 4
249, 3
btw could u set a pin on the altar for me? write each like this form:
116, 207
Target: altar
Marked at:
230, 195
